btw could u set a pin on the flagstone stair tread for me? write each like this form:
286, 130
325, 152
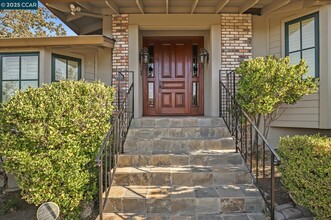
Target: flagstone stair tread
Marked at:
182, 168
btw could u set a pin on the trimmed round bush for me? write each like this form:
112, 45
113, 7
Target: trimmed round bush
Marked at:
50, 137
306, 172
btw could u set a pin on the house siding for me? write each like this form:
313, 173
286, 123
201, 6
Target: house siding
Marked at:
90, 67
306, 113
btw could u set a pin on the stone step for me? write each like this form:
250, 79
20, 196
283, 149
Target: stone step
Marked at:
182, 175
176, 122
198, 158
182, 168
177, 200
177, 146
233, 216
178, 133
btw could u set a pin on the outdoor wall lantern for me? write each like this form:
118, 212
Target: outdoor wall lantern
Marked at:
144, 55
204, 56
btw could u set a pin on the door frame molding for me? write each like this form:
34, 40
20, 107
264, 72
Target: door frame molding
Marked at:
191, 110
212, 34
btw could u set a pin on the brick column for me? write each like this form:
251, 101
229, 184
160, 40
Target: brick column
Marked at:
120, 31
236, 40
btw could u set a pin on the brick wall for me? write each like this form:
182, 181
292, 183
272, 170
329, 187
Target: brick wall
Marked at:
120, 31
236, 40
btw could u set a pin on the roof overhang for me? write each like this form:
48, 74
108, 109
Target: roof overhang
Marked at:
72, 41
86, 17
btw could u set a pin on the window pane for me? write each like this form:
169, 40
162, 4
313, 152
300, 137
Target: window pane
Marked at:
29, 67
150, 94
195, 94
73, 70
60, 69
10, 68
27, 84
294, 58
308, 33
8, 89
309, 56
151, 61
294, 37
195, 63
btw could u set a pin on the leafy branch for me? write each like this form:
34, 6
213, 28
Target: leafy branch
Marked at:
268, 85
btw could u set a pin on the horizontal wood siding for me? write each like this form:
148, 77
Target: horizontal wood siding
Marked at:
275, 37
90, 67
305, 113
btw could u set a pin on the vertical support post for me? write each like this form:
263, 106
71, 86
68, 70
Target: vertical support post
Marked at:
105, 169
246, 140
118, 133
100, 191
234, 84
263, 159
118, 90
221, 94
121, 131
111, 162
251, 148
257, 156
272, 211
133, 100
236, 132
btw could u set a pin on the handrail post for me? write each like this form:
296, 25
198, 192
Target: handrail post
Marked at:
100, 191
118, 90
132, 102
234, 85
237, 113
257, 156
272, 211
221, 94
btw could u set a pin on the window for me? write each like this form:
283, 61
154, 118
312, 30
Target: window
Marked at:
18, 71
64, 67
302, 42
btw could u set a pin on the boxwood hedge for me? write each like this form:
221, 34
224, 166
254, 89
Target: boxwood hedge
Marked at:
50, 137
306, 172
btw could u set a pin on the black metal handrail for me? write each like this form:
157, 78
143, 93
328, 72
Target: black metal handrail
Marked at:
259, 156
113, 143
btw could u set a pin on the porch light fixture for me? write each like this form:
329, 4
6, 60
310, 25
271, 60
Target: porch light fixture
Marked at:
144, 55
204, 56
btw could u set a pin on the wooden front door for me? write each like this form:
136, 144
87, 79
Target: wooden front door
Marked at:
173, 78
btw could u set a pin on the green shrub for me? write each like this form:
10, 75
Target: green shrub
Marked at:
50, 138
306, 172
267, 83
